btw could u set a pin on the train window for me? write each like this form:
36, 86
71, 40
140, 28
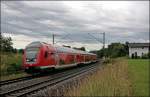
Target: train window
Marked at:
32, 52
52, 53
46, 54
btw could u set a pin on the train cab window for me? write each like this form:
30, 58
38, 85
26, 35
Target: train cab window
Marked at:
31, 53
46, 54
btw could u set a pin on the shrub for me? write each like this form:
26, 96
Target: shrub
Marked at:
107, 60
148, 54
13, 68
13, 65
145, 56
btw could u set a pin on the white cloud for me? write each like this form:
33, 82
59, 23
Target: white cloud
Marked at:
20, 41
121, 20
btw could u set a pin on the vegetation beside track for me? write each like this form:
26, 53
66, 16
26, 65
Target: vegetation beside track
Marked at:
11, 65
13, 76
110, 80
118, 77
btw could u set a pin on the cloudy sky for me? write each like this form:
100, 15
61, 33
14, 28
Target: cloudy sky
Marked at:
75, 23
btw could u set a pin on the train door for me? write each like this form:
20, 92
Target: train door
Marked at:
56, 58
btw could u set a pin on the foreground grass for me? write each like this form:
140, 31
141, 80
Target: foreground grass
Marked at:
139, 74
110, 80
10, 62
10, 65
13, 76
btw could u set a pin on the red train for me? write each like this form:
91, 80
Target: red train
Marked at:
40, 56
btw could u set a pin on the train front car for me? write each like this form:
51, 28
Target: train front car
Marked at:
38, 56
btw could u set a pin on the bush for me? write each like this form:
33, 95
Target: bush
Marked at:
148, 54
13, 68
107, 60
145, 56
13, 65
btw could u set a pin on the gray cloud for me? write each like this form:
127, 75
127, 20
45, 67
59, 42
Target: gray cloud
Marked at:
38, 19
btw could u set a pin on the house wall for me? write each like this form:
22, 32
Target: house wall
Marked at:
139, 51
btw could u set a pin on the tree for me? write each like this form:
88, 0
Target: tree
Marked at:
14, 50
6, 44
20, 51
82, 48
126, 47
117, 50
114, 50
67, 46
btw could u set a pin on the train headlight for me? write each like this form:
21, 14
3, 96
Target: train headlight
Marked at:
34, 60
27, 60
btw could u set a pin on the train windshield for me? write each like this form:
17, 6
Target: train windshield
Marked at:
31, 53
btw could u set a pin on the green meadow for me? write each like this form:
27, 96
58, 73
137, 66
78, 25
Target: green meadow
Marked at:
139, 75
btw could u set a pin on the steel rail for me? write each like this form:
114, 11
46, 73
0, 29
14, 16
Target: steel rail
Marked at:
5, 82
53, 82
36, 86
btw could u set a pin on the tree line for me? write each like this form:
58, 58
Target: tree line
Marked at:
114, 50
6, 45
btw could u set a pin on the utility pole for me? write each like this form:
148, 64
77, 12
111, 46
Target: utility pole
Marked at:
103, 40
104, 44
53, 39
100, 41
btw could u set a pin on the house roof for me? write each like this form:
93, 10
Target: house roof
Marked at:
139, 44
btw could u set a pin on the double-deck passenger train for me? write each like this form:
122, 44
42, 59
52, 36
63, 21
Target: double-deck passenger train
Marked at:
40, 56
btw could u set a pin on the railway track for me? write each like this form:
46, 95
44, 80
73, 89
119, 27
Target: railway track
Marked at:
11, 81
15, 80
36, 84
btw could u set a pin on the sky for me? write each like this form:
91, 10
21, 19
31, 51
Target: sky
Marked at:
75, 23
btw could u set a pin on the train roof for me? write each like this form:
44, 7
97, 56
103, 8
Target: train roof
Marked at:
70, 50
36, 44
58, 48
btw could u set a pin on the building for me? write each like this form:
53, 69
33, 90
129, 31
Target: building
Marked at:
138, 49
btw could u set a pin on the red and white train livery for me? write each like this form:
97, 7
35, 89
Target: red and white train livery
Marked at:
40, 56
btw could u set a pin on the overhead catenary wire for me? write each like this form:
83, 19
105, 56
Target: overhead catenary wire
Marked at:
94, 37
69, 38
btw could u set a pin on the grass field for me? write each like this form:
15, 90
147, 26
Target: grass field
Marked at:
139, 75
121, 77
